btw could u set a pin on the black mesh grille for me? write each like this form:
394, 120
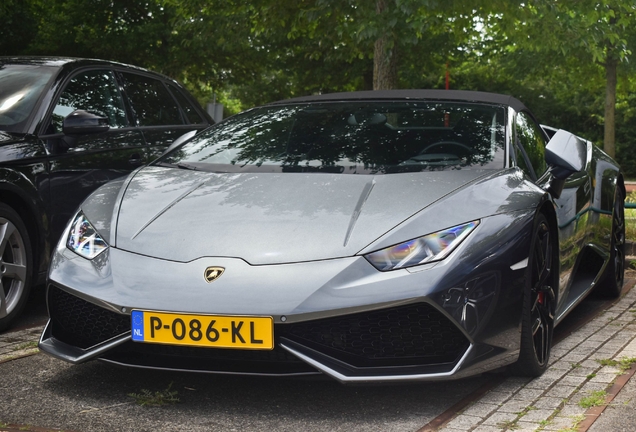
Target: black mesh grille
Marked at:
81, 323
276, 361
413, 334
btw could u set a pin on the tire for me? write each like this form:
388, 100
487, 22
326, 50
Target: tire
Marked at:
16, 266
539, 304
611, 284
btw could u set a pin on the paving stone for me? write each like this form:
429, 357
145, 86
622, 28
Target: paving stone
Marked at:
559, 423
604, 378
551, 403
538, 415
480, 409
571, 410
562, 365
496, 397
487, 428
514, 406
528, 394
561, 391
573, 380
500, 418
464, 422
525, 426
583, 371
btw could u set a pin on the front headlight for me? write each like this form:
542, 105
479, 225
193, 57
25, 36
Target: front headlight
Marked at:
422, 250
83, 239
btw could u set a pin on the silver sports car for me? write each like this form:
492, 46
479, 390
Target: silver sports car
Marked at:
371, 236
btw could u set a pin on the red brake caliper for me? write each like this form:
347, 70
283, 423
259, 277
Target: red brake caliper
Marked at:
540, 297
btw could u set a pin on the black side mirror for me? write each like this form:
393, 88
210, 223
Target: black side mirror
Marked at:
565, 154
82, 122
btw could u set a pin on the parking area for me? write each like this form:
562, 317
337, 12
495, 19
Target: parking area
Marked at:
39, 393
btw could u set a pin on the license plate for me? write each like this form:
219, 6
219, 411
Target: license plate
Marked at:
242, 332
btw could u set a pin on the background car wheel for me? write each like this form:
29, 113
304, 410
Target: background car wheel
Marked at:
612, 283
15, 265
538, 304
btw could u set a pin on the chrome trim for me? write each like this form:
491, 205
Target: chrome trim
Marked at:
376, 378
294, 374
72, 354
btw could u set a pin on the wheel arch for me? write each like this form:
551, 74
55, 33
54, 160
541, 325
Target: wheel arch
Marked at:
34, 217
547, 208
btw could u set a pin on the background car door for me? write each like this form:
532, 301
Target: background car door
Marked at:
159, 117
80, 164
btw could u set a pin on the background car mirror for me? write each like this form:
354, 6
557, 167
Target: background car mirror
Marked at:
566, 154
82, 122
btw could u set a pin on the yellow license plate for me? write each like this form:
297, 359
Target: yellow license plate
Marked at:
242, 332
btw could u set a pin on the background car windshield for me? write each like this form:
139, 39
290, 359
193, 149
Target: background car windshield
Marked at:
351, 138
20, 88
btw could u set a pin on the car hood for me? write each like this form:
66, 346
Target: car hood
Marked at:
270, 218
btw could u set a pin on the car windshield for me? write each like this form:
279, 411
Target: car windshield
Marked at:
352, 138
20, 89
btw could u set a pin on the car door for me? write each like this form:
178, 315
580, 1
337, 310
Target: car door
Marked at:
572, 206
80, 163
157, 113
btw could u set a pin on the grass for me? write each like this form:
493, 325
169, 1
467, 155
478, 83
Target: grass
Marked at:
158, 398
26, 345
596, 398
630, 218
623, 365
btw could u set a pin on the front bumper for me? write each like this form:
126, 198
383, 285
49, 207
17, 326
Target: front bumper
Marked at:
340, 317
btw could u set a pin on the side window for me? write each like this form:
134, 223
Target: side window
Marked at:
190, 112
151, 101
531, 140
95, 91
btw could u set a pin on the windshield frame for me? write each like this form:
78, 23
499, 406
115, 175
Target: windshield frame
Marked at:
499, 139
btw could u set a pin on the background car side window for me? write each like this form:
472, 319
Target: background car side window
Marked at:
531, 140
151, 101
95, 91
191, 113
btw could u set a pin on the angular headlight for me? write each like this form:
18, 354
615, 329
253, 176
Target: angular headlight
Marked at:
422, 250
83, 239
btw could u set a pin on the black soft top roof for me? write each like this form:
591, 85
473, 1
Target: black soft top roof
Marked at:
449, 95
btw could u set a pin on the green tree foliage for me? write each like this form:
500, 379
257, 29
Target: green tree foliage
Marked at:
567, 60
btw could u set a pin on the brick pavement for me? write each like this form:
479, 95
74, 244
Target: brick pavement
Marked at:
582, 368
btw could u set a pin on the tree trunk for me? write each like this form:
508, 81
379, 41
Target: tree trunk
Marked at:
384, 57
609, 142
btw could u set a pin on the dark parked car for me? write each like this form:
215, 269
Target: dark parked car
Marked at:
370, 236
68, 126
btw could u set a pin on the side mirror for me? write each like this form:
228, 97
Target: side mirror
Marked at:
82, 122
565, 154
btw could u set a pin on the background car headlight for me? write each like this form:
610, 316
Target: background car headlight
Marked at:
431, 247
83, 239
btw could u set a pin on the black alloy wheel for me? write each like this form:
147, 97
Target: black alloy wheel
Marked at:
539, 304
15, 265
612, 282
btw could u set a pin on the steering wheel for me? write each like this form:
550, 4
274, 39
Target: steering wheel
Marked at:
447, 143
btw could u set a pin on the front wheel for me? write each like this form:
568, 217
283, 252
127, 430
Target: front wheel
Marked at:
15, 265
539, 304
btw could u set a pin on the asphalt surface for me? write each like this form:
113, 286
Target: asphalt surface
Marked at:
39, 393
